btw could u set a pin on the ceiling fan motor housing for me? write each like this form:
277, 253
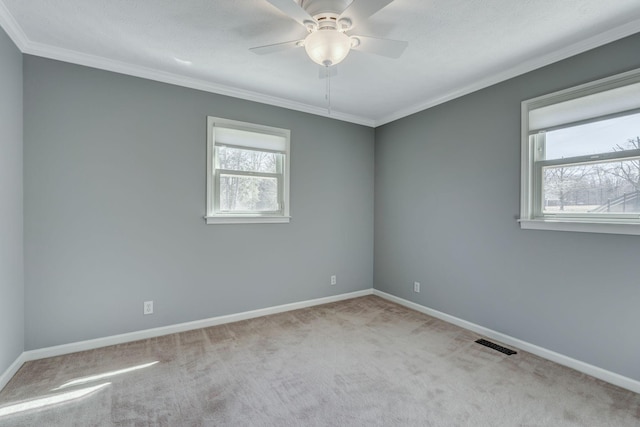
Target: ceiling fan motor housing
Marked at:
327, 21
315, 7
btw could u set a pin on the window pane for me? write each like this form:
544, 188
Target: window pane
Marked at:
604, 136
245, 194
607, 187
246, 160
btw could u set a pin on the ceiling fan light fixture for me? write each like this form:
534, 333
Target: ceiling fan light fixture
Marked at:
327, 46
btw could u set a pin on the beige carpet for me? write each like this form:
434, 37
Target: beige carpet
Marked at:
364, 362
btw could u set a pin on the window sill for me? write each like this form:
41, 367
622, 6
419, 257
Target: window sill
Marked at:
631, 228
220, 219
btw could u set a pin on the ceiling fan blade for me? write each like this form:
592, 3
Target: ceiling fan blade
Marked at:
271, 48
382, 47
294, 11
360, 10
326, 72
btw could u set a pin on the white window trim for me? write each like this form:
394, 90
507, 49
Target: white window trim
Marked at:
528, 219
248, 218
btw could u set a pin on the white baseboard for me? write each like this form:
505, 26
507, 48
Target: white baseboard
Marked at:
165, 330
11, 371
182, 327
594, 371
603, 374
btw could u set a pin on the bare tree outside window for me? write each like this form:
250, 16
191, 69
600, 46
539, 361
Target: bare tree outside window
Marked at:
630, 171
247, 193
608, 186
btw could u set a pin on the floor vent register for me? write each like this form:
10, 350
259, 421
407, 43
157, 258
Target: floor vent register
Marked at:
496, 347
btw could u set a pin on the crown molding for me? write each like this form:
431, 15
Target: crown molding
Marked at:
523, 68
102, 63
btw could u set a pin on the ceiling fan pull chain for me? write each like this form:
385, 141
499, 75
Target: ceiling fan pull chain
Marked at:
328, 95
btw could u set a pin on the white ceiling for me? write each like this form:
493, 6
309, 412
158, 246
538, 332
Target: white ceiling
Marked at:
455, 46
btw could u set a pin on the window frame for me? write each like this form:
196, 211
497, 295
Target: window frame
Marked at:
214, 216
532, 146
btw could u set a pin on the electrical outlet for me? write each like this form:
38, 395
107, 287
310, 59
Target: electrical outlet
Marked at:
416, 286
148, 307
334, 280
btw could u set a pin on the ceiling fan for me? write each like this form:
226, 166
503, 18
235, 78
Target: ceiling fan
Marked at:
327, 23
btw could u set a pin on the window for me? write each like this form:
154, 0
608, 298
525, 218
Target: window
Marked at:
247, 172
581, 158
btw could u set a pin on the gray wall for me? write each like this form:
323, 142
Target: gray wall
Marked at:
11, 237
115, 197
447, 198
